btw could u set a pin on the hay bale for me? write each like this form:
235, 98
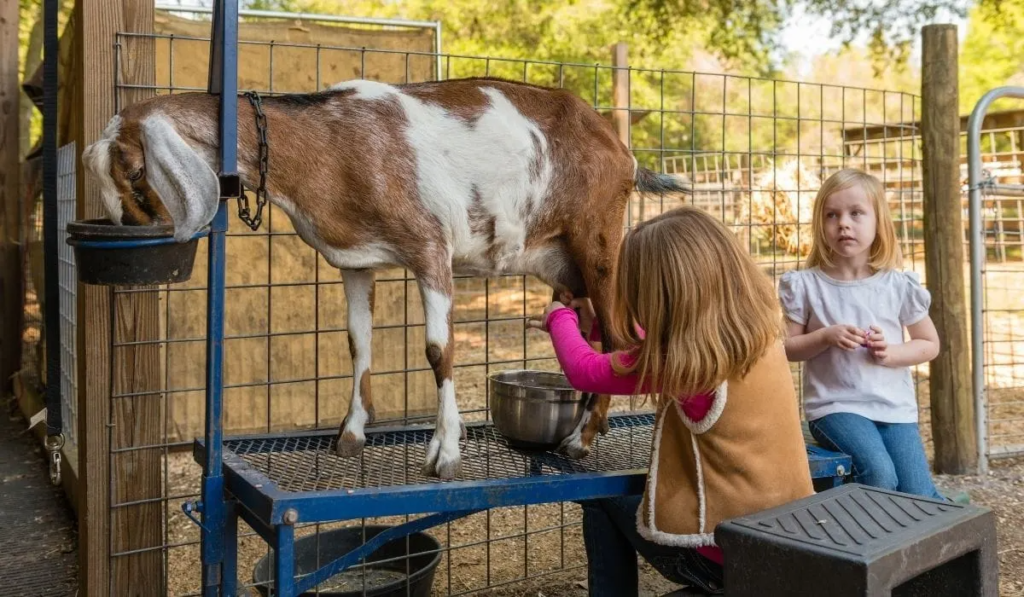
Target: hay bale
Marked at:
780, 207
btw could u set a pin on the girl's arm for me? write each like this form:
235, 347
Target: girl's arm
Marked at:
922, 347
803, 346
586, 369
590, 371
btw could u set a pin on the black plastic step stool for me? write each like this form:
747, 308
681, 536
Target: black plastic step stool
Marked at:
861, 541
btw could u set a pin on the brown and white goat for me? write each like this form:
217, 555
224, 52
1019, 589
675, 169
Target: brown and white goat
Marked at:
478, 176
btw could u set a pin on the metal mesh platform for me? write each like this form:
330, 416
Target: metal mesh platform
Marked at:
308, 463
300, 475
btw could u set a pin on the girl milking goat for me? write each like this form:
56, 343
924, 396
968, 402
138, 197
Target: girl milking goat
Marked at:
703, 334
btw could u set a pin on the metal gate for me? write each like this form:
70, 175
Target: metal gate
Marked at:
996, 207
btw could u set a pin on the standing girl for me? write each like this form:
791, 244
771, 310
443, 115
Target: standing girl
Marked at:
704, 330
846, 315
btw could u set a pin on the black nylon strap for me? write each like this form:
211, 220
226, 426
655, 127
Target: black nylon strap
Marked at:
54, 422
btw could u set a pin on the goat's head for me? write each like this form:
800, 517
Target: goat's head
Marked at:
148, 174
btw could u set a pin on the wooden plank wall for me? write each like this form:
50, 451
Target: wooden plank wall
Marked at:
129, 474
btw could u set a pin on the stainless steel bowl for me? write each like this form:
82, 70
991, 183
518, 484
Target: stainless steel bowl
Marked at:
534, 409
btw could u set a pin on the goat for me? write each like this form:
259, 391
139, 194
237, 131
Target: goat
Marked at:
480, 176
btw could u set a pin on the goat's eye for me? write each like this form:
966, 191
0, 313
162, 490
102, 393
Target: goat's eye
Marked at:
135, 175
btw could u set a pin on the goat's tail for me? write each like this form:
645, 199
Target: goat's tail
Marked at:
649, 181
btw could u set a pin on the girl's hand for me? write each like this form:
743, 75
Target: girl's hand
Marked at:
542, 324
844, 336
878, 346
587, 316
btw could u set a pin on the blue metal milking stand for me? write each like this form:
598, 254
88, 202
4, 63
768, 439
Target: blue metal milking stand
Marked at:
220, 518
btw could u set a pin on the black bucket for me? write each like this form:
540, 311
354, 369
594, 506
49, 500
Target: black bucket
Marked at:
412, 560
111, 255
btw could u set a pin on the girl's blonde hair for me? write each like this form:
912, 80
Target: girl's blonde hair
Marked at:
707, 312
885, 250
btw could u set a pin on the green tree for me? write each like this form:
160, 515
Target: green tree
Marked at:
568, 31
992, 55
578, 34
890, 26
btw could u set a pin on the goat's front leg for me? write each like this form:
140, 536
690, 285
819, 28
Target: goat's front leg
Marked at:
596, 255
573, 445
443, 459
359, 285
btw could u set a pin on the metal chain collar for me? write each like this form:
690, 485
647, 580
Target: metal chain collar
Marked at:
244, 214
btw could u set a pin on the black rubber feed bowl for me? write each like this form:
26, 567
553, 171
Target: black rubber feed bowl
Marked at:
382, 579
111, 255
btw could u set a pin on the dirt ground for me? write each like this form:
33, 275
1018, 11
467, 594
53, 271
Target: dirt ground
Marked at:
1001, 490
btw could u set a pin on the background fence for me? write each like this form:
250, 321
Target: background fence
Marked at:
756, 149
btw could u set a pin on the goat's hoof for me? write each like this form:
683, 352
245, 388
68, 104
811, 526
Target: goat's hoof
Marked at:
604, 428
350, 444
462, 431
449, 468
573, 447
443, 467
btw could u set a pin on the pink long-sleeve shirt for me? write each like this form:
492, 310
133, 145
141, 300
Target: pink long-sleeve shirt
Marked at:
590, 371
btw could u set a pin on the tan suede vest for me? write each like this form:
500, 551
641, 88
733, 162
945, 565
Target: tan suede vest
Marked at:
746, 455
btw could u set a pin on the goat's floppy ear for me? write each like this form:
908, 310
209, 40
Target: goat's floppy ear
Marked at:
187, 185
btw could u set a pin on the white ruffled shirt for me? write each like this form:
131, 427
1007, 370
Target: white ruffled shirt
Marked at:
838, 380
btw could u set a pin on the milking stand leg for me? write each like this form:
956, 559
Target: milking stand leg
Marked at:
223, 81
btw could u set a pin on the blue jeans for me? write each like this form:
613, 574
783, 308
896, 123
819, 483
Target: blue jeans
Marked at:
612, 542
885, 455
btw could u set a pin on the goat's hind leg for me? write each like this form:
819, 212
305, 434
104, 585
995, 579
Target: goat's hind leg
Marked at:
443, 459
359, 286
577, 444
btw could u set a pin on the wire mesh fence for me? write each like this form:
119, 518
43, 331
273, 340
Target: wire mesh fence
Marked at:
755, 149
66, 208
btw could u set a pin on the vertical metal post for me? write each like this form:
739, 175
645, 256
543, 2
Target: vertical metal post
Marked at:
54, 424
223, 80
284, 555
977, 262
229, 567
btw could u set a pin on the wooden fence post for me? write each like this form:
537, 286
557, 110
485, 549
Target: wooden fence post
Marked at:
620, 91
11, 253
950, 379
621, 114
124, 425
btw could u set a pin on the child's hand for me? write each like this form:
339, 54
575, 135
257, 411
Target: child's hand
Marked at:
844, 336
878, 346
542, 324
586, 312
